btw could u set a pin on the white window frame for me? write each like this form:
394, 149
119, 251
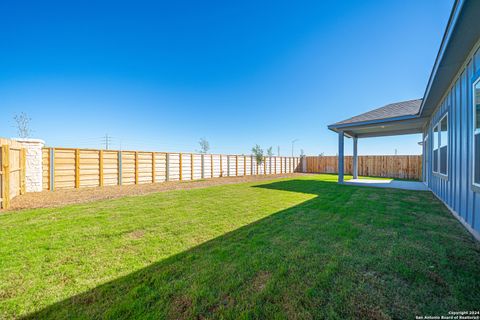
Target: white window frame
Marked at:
427, 156
475, 131
439, 145
435, 138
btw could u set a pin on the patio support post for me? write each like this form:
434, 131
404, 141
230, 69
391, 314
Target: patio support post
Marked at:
340, 156
355, 158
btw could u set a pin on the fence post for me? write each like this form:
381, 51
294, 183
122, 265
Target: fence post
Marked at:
221, 166
167, 166
100, 168
5, 176
136, 167
191, 166
119, 168
228, 166
264, 165
52, 169
211, 165
203, 166
77, 168
180, 166
251, 165
244, 166
23, 167
153, 167
236, 165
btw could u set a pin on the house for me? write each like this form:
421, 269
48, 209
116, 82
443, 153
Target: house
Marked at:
448, 116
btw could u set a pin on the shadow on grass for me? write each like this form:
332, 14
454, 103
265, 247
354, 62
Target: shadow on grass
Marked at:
350, 252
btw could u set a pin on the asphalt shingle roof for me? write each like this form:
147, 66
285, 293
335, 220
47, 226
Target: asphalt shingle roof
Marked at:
393, 110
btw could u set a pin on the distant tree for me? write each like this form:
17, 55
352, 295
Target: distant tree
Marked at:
22, 124
302, 154
270, 152
204, 146
258, 153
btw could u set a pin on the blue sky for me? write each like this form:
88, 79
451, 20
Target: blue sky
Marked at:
159, 75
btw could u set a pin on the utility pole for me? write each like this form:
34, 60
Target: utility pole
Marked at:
106, 141
293, 144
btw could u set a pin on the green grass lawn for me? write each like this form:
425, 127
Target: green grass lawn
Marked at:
292, 248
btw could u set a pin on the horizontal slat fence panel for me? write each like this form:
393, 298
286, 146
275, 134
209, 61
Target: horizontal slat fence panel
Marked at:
89, 161
197, 166
64, 163
160, 167
128, 167
67, 168
110, 168
400, 167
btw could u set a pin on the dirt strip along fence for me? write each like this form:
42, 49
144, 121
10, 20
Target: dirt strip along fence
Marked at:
12, 171
66, 168
400, 167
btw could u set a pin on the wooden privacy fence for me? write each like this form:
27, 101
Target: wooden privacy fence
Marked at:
12, 171
66, 168
402, 167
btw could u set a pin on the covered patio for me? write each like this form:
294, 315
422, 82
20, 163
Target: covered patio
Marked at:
388, 183
393, 119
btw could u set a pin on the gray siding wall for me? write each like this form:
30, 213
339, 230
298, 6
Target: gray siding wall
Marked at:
456, 190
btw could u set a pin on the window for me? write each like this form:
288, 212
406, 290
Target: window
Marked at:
444, 145
440, 146
476, 132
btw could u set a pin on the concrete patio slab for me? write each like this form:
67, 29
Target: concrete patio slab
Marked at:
388, 183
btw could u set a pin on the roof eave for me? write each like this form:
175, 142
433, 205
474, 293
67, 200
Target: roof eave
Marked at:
338, 127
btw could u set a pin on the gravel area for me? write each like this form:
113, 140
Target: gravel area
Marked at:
57, 198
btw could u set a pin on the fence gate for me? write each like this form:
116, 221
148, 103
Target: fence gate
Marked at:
12, 171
